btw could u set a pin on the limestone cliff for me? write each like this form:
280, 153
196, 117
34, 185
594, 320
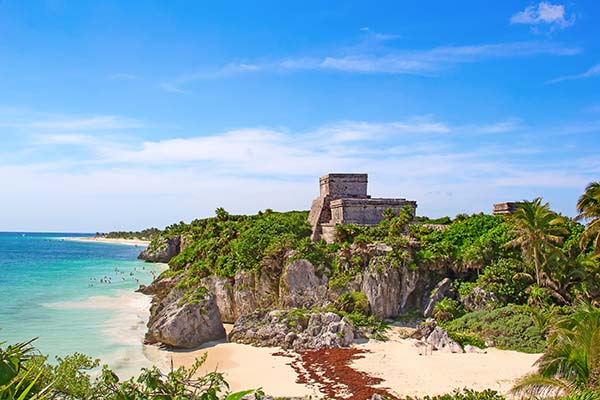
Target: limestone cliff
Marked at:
281, 283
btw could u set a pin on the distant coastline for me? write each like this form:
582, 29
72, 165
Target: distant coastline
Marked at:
130, 242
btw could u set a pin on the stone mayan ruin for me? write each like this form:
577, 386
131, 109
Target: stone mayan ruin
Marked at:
343, 199
506, 208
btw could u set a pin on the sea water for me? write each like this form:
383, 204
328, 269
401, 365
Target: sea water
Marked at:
75, 297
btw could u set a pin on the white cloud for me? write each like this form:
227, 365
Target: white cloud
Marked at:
94, 123
249, 169
64, 139
376, 59
379, 36
230, 69
427, 62
546, 13
590, 73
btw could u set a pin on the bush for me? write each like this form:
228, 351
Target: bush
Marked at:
447, 309
511, 327
466, 394
354, 302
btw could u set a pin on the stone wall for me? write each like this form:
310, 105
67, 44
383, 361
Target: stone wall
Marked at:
365, 211
343, 185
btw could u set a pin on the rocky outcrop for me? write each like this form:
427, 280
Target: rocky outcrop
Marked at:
293, 329
223, 289
185, 321
437, 294
162, 250
381, 284
300, 286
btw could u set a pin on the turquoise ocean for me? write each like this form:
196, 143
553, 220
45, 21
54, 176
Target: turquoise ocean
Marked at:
75, 297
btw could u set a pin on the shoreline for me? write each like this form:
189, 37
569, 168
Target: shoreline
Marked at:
94, 239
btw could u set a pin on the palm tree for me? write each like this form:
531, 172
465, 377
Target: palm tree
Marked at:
537, 232
571, 363
588, 207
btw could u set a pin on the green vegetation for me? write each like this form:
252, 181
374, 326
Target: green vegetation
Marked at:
466, 394
26, 375
146, 234
571, 364
510, 327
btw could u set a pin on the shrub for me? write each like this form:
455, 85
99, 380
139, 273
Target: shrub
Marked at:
447, 309
466, 394
353, 302
511, 327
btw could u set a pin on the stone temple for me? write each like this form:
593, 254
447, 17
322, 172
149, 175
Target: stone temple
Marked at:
506, 208
343, 199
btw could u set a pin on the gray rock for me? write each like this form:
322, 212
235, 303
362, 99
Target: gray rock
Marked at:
437, 294
162, 250
222, 288
440, 340
293, 329
300, 286
183, 323
424, 329
382, 287
474, 349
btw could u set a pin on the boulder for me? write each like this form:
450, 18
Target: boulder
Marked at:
440, 340
474, 349
162, 250
185, 322
437, 294
293, 329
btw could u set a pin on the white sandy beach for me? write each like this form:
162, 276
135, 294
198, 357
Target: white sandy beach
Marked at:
396, 361
405, 372
131, 242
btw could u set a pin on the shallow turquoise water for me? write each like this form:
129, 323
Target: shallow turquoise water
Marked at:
50, 288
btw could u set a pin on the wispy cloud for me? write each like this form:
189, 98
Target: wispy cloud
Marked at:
93, 123
544, 13
590, 73
379, 36
174, 85
428, 62
382, 60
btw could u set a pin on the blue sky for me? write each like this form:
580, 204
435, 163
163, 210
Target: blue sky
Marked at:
120, 116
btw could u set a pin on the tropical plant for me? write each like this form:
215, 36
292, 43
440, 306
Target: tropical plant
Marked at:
538, 231
571, 363
18, 382
588, 207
